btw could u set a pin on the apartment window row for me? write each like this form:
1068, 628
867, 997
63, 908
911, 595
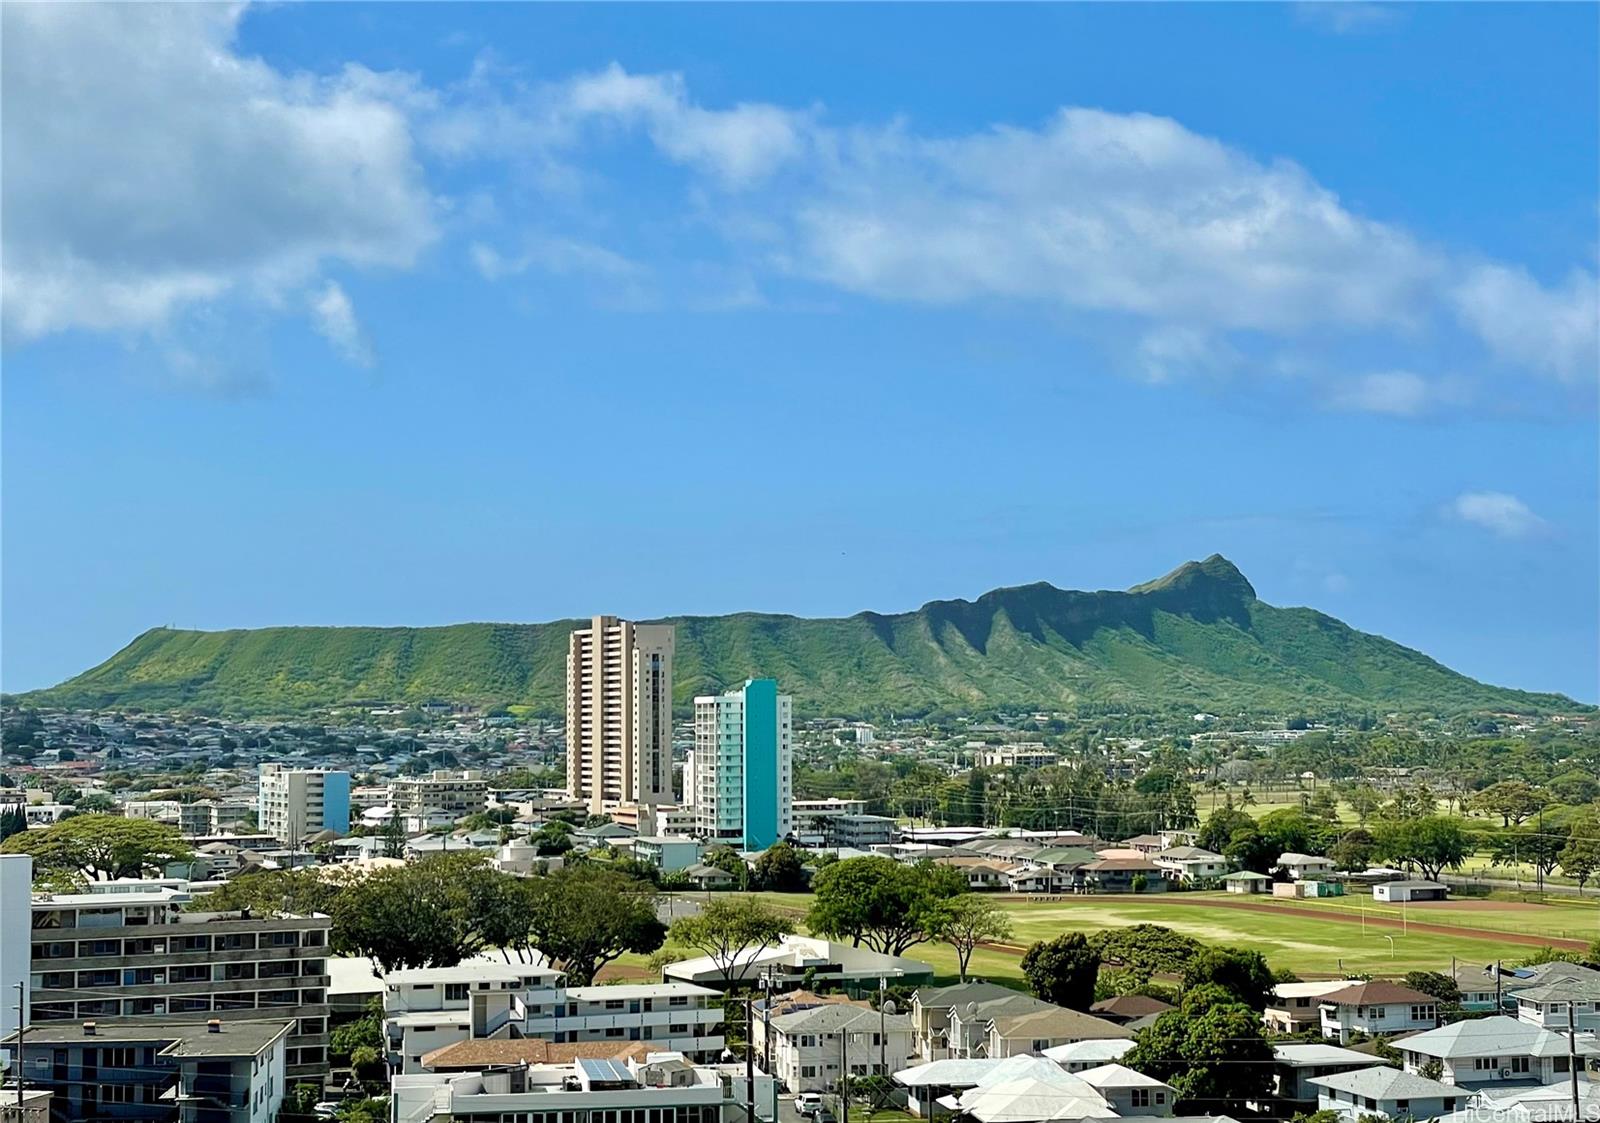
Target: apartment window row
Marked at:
174, 1004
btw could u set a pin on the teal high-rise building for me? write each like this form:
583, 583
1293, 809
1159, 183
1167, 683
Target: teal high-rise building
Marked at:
740, 785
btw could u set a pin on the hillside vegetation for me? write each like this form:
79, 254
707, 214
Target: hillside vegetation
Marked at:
1197, 638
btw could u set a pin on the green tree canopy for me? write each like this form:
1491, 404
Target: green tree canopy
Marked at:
102, 847
585, 916
882, 903
1145, 949
1063, 970
970, 920
1428, 843
726, 928
1214, 1055
1243, 974
780, 869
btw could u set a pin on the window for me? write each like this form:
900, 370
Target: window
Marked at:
1141, 1097
808, 1072
1519, 1064
1161, 1097
1484, 1064
1559, 1064
455, 992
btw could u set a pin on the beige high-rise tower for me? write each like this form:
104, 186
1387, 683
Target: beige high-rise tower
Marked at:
619, 713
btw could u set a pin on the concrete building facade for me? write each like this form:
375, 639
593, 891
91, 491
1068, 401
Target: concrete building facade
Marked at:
743, 779
619, 713
117, 958
292, 804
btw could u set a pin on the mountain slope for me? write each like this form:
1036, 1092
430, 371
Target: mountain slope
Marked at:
1197, 638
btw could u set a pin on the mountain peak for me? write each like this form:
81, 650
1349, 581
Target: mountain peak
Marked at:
1213, 577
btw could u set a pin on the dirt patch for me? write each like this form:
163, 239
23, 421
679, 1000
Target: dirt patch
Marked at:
624, 973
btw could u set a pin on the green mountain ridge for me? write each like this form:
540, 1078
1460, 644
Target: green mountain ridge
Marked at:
1197, 638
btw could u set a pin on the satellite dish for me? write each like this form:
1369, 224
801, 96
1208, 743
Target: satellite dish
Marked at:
889, 1007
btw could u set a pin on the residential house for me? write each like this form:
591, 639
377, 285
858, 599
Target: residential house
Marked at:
1574, 1000
927, 1084
1012, 1034
1305, 867
1386, 1093
1376, 1007
931, 1008
706, 877
810, 1048
1494, 1050
1030, 1088
1190, 864
1122, 875
791, 1002
968, 1031
1128, 1092
1482, 990
1297, 1007
1296, 1064
1090, 1053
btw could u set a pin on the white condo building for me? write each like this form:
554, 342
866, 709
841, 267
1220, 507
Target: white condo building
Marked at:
619, 713
292, 804
742, 768
428, 1008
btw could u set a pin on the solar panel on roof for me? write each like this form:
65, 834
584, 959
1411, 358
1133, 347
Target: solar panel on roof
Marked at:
604, 1071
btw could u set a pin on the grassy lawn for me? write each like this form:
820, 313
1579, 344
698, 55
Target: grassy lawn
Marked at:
1308, 945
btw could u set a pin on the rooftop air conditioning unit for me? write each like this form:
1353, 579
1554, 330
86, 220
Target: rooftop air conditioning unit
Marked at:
1505, 1074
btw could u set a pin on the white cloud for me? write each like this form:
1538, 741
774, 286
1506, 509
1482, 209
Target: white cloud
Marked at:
1502, 514
1398, 393
1554, 331
560, 256
150, 168
334, 318
739, 145
1345, 17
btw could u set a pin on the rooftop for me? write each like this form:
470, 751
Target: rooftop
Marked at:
1385, 1083
1376, 993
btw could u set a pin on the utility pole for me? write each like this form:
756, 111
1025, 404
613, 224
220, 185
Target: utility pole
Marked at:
766, 1022
21, 1029
844, 1075
1572, 1059
749, 1061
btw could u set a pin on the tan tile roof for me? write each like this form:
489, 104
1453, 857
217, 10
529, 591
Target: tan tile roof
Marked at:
532, 1050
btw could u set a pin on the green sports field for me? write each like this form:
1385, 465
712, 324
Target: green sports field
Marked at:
1334, 940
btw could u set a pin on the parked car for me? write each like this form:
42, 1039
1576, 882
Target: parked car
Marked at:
807, 1103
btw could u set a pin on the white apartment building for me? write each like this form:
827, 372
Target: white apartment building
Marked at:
292, 804
619, 713
742, 771
450, 794
16, 880
155, 1069
428, 1008
122, 955
664, 1088
1024, 754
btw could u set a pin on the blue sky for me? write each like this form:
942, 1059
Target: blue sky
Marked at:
418, 313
